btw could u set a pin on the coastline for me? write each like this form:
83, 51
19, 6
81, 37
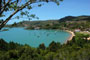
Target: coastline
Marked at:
71, 35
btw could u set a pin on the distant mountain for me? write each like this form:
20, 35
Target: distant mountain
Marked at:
66, 20
74, 18
37, 23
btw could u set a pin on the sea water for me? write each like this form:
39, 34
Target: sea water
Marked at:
34, 37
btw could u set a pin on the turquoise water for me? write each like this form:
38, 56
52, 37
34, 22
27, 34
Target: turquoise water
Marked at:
34, 37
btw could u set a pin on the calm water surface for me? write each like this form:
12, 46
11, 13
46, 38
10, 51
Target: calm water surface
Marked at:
34, 37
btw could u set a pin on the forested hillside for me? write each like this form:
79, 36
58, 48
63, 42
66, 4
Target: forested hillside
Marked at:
75, 18
66, 23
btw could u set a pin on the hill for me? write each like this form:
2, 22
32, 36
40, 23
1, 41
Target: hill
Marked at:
68, 22
74, 18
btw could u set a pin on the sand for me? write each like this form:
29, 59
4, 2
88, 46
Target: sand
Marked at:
71, 36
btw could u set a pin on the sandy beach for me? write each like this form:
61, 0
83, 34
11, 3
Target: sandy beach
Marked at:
71, 36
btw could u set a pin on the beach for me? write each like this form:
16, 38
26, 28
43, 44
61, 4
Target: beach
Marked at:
71, 35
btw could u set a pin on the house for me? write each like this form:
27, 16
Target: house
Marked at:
37, 28
77, 30
88, 38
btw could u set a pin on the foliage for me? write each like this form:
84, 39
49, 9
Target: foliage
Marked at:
80, 22
76, 49
20, 6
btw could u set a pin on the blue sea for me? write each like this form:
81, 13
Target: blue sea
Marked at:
34, 37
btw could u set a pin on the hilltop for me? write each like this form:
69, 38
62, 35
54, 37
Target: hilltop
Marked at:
75, 18
66, 23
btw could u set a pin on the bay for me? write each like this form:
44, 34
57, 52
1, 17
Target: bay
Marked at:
34, 37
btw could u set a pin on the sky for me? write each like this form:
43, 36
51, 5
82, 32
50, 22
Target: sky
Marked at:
66, 8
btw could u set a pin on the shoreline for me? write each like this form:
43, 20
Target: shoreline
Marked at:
71, 35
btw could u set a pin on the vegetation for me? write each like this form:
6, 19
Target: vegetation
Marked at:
76, 18
76, 49
5, 29
68, 23
22, 6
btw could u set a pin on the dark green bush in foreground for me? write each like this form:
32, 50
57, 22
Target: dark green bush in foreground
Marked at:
77, 49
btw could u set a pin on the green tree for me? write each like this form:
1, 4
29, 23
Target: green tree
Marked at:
54, 46
42, 46
3, 45
14, 24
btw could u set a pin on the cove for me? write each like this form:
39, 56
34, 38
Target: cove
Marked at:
34, 37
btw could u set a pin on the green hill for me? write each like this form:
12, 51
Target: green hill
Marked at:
74, 18
68, 22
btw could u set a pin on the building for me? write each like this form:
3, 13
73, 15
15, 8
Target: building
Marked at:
37, 28
77, 30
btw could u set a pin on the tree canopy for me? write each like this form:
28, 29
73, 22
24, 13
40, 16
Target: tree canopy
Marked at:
18, 6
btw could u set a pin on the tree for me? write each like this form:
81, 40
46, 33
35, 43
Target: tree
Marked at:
42, 46
14, 24
54, 46
3, 45
18, 6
